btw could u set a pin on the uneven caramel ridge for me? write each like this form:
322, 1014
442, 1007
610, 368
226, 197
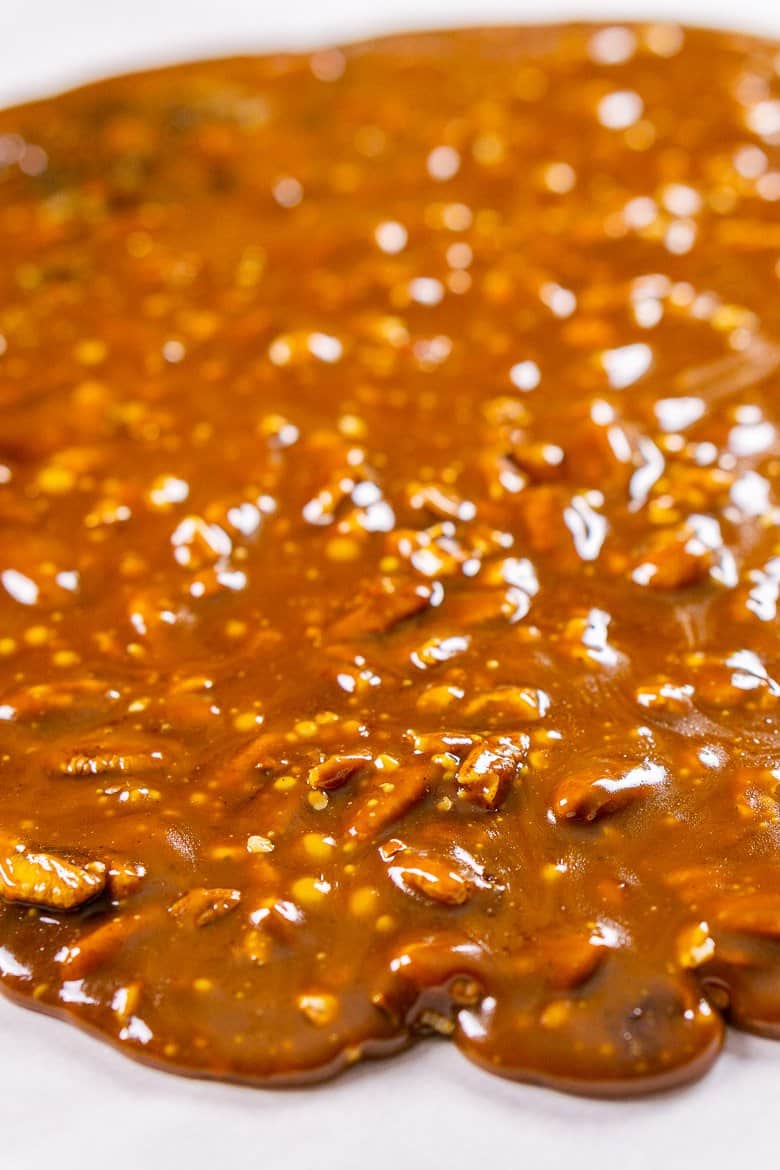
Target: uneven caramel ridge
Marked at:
390, 555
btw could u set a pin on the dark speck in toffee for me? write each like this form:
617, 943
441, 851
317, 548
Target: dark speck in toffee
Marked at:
390, 555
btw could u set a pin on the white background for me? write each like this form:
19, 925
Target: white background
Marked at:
70, 1103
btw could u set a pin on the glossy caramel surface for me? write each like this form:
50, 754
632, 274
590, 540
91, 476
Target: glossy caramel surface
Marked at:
390, 554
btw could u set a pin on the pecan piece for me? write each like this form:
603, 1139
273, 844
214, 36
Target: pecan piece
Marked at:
107, 761
601, 789
388, 802
336, 771
436, 650
432, 1021
751, 914
541, 462
488, 770
540, 510
266, 752
435, 878
435, 699
42, 699
737, 680
435, 960
48, 880
568, 959
200, 907
97, 947
382, 606
665, 697
441, 501
527, 704
674, 559
319, 1007
124, 878
489, 604
455, 742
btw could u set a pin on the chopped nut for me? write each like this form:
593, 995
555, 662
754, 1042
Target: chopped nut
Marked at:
488, 770
750, 914
666, 697
124, 878
48, 880
336, 771
319, 1008
259, 844
382, 607
673, 560
433, 877
111, 761
380, 807
432, 1021
437, 698
526, 704
97, 948
603, 789
200, 907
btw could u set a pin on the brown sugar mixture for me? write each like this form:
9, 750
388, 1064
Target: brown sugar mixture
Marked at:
390, 555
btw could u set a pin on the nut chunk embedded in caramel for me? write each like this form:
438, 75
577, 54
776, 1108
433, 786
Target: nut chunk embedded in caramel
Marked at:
601, 789
382, 606
201, 907
383, 804
488, 770
435, 878
48, 880
336, 771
